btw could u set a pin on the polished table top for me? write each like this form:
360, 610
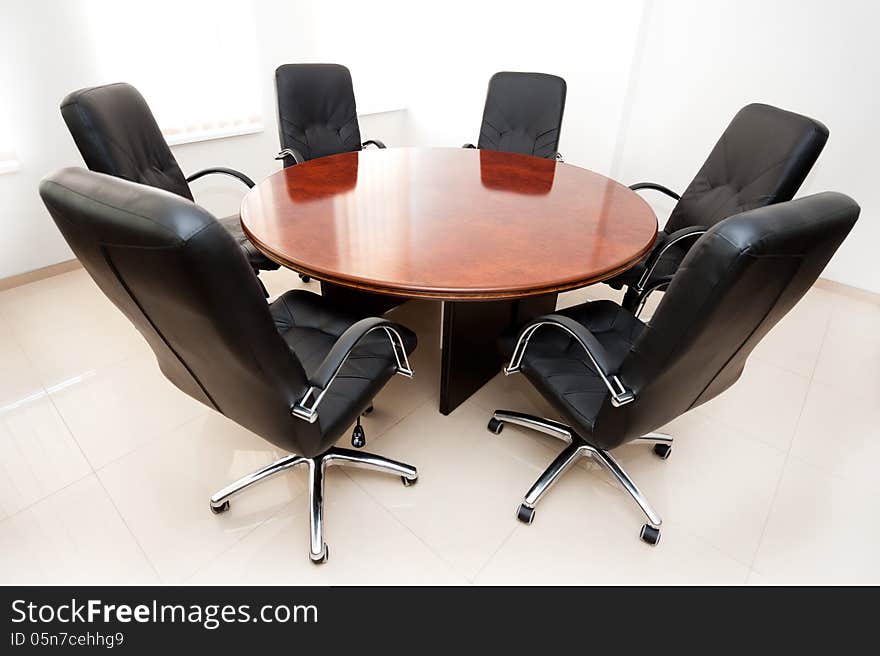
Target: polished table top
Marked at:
448, 223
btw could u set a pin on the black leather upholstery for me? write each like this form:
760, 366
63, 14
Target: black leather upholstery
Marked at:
173, 270
317, 115
254, 256
734, 285
311, 328
116, 134
762, 158
523, 114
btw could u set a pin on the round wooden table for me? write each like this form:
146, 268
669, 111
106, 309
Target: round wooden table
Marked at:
495, 236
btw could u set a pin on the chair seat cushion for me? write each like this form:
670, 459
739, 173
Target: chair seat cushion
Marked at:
310, 326
561, 371
255, 258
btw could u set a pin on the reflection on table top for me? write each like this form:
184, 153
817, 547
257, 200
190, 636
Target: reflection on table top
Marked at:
448, 223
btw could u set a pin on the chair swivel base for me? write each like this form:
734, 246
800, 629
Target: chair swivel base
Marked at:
579, 448
318, 551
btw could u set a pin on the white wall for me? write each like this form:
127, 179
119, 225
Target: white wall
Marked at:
589, 43
36, 66
703, 61
651, 84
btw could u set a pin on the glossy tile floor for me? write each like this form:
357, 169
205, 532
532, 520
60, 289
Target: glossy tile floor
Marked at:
106, 469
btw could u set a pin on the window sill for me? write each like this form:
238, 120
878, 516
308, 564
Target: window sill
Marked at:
379, 110
207, 135
9, 166
179, 139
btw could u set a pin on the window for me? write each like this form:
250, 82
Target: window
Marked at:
371, 42
8, 161
195, 62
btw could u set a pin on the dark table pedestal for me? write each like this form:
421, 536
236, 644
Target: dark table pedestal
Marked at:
359, 303
470, 356
471, 330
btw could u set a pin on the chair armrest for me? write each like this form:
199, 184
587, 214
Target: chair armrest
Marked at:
468, 145
238, 175
307, 407
373, 142
658, 283
558, 157
690, 233
595, 351
655, 187
292, 153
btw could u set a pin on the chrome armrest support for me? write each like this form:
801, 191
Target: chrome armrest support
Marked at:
373, 142
307, 407
655, 187
559, 157
620, 395
660, 283
222, 170
292, 153
693, 232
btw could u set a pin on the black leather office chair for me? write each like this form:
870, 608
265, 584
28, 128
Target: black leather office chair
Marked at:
297, 372
116, 134
523, 114
317, 115
615, 379
762, 158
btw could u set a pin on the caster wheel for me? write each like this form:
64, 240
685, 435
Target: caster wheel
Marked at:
305, 278
321, 558
409, 482
495, 426
525, 514
369, 409
217, 510
663, 451
650, 535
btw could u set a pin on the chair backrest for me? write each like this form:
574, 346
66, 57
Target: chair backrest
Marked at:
523, 114
762, 158
733, 286
116, 134
182, 280
317, 115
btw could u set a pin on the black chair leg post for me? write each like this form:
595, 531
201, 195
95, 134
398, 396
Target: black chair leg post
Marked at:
260, 283
318, 551
631, 300
578, 448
